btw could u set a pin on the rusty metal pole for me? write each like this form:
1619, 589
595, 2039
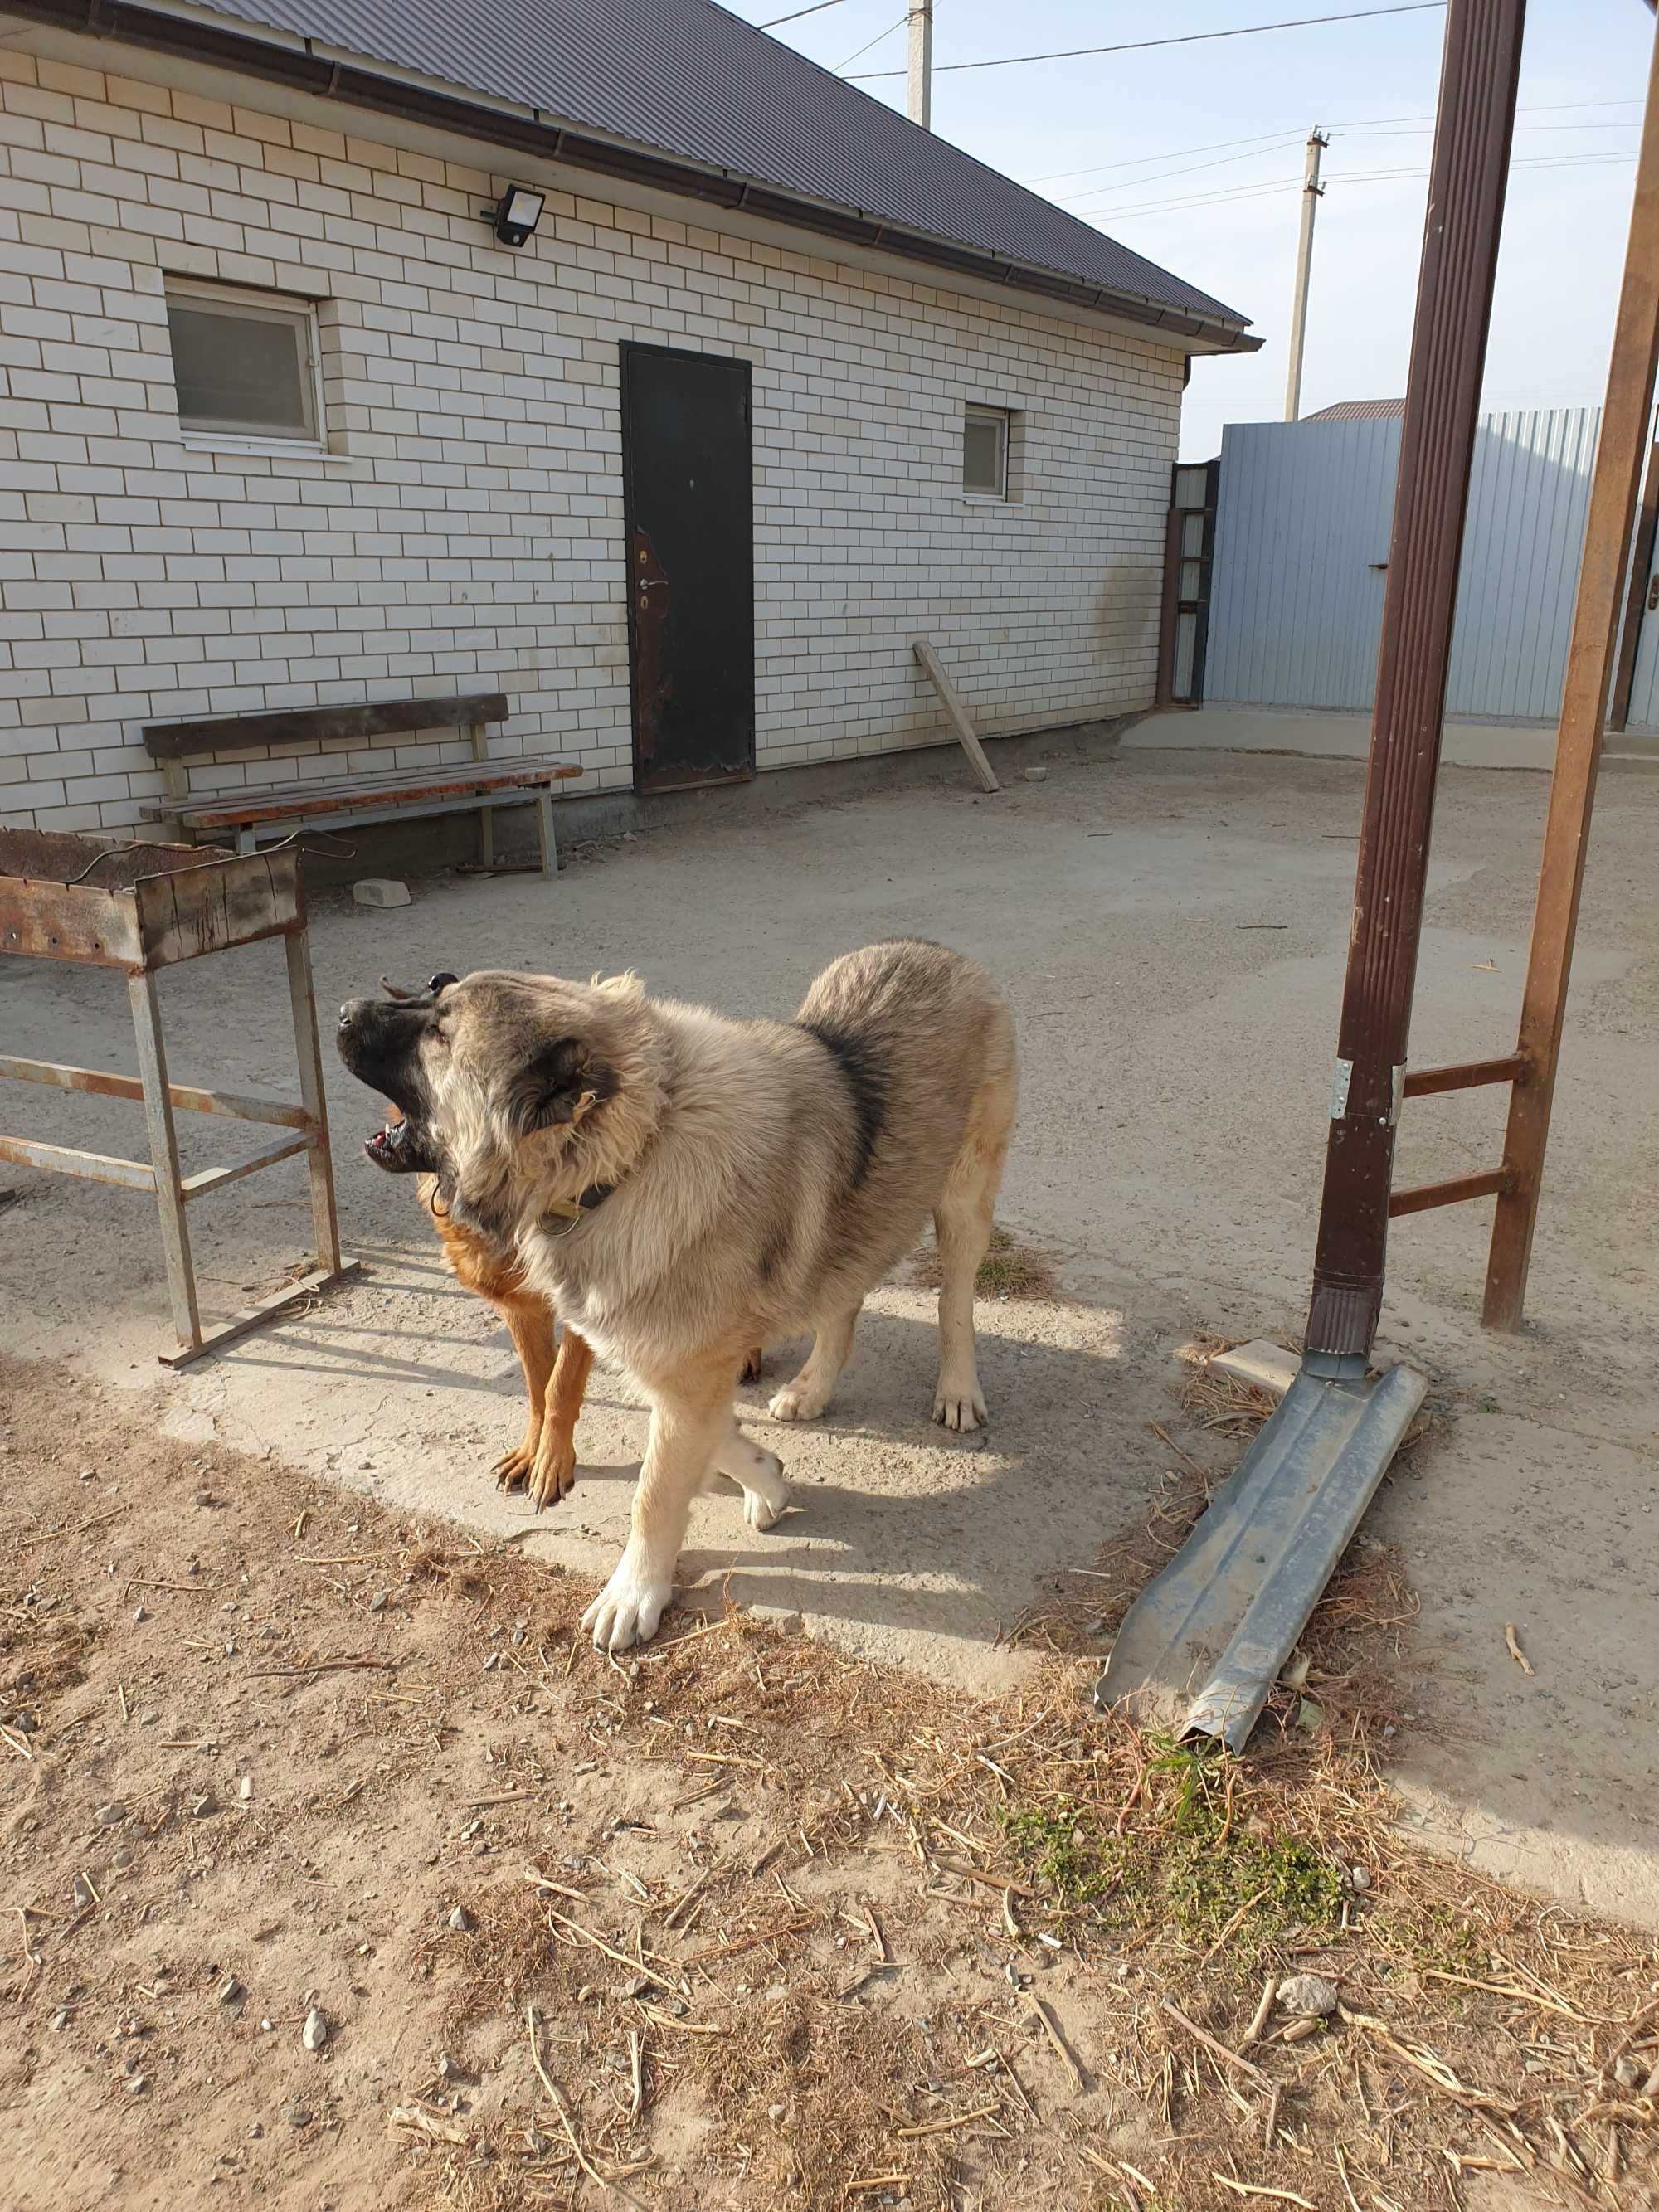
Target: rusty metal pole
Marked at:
1472, 133
1614, 489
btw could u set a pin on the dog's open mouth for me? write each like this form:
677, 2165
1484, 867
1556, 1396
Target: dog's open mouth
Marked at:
389, 1148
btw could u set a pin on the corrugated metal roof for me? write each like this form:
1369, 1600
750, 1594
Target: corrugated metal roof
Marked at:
1359, 410
685, 78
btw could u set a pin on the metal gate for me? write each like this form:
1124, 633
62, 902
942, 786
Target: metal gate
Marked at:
1304, 513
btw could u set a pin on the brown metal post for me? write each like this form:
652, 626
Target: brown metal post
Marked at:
1614, 490
1472, 134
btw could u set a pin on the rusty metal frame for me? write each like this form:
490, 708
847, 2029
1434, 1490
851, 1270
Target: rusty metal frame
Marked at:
153, 906
1613, 580
1469, 165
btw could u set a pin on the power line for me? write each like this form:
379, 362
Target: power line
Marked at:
817, 8
868, 43
1535, 162
1351, 176
1276, 137
1188, 39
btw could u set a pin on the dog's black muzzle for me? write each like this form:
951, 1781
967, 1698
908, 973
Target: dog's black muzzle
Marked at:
379, 1039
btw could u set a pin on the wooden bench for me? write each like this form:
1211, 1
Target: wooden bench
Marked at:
339, 801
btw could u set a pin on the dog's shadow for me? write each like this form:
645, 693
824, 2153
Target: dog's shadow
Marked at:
897, 1527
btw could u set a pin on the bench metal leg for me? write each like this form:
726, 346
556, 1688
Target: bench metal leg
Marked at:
546, 836
318, 1156
164, 1157
247, 840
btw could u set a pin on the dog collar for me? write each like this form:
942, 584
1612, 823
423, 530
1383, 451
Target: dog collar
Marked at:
569, 1209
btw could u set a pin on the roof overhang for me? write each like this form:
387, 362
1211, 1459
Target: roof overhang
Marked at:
301, 66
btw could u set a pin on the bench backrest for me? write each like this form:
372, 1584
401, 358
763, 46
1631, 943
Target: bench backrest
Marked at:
374, 718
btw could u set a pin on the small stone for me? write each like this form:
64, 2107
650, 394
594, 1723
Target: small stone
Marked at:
1626, 2073
775, 2113
1360, 1877
137, 2085
108, 1816
229, 1990
204, 1810
244, 1788
378, 1603
122, 1860
86, 1474
314, 2034
257, 2129
449, 2069
81, 1890
297, 2117
267, 2026
380, 890
461, 1920
1308, 1996
62, 2017
1036, 775
521, 1630
536, 2142
205, 1498
637, 1987
140, 1613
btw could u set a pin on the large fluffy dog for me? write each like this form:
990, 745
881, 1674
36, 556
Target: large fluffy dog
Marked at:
682, 1187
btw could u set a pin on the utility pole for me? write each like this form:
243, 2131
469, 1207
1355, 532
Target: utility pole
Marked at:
921, 105
1312, 193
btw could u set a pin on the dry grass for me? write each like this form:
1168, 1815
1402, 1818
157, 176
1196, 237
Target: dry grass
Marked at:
794, 1931
1012, 1268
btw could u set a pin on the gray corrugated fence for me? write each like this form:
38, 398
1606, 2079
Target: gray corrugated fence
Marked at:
1302, 533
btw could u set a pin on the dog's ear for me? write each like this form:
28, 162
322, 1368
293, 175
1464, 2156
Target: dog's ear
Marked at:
553, 1086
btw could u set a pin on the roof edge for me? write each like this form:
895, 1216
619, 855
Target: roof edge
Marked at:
191, 35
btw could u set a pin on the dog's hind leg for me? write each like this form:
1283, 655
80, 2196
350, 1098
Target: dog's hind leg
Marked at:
758, 1473
530, 1323
961, 1222
805, 1398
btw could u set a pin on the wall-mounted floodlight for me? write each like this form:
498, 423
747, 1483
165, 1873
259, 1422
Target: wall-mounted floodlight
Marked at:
516, 214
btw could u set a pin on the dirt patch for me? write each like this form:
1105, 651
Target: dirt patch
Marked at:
737, 1921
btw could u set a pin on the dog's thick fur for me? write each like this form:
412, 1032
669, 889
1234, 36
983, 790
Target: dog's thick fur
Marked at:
757, 1177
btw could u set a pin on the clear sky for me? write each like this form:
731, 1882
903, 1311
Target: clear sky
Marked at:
1159, 119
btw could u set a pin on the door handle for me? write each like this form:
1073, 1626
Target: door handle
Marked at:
1653, 596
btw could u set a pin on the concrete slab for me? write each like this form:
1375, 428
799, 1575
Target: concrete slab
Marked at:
1219, 727
1171, 927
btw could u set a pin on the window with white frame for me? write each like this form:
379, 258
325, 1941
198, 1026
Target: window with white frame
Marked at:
245, 363
985, 438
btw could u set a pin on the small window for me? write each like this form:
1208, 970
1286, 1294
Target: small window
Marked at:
245, 363
985, 452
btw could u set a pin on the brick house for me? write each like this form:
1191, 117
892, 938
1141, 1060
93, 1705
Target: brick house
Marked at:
287, 418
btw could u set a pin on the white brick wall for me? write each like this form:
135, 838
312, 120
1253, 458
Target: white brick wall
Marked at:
464, 528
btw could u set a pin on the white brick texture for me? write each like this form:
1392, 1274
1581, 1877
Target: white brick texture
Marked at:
463, 527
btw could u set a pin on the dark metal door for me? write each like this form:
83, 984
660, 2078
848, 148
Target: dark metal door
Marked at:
687, 498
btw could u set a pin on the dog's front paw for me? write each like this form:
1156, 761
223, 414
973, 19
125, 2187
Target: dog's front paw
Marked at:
628, 1609
553, 1473
511, 1469
959, 1406
793, 1403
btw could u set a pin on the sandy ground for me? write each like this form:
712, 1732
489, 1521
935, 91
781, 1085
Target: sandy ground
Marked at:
313, 1814
1171, 928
